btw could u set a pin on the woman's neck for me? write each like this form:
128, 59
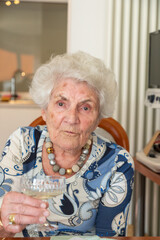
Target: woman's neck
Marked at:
65, 159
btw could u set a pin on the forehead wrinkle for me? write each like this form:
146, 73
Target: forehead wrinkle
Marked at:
61, 96
65, 98
86, 100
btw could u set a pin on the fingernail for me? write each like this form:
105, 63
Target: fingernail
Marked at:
42, 219
43, 205
46, 213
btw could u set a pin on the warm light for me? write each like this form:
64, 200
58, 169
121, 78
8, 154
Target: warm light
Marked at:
16, 1
23, 74
8, 3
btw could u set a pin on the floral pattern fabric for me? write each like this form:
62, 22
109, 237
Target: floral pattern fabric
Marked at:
97, 198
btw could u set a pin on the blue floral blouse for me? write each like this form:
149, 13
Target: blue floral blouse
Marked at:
97, 198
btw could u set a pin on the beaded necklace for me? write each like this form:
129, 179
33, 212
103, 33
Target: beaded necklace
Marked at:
76, 167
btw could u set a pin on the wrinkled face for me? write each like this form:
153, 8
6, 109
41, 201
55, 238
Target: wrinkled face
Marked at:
72, 114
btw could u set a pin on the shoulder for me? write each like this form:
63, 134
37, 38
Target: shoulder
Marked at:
23, 134
23, 139
29, 138
113, 154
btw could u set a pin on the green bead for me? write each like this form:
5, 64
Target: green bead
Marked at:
56, 168
80, 163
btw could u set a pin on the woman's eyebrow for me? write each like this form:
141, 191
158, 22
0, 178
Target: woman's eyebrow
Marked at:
61, 97
86, 100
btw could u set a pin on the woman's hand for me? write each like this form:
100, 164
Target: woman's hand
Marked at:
26, 210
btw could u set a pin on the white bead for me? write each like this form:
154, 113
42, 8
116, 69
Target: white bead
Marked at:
62, 171
51, 156
48, 144
85, 151
75, 168
52, 162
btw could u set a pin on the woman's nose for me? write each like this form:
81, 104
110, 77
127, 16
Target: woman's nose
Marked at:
72, 116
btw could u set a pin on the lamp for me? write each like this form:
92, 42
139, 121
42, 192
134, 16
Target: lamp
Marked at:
8, 3
16, 1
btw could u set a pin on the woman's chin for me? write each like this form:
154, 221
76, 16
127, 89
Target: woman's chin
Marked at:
70, 146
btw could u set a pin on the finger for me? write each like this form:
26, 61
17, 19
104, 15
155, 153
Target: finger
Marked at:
24, 220
15, 197
25, 210
14, 228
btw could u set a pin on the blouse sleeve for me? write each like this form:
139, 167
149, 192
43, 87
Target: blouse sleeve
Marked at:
10, 165
114, 205
16, 154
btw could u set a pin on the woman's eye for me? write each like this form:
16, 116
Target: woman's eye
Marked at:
85, 108
60, 104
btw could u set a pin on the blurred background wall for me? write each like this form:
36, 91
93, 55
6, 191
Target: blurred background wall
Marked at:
30, 33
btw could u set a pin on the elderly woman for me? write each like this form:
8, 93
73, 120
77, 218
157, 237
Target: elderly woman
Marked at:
74, 92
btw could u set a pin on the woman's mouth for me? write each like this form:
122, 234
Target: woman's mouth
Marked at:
71, 133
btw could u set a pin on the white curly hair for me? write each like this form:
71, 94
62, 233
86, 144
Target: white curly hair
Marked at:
81, 67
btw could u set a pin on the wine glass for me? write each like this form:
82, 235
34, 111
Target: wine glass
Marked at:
42, 187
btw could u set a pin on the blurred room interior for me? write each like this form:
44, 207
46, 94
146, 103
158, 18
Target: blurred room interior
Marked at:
118, 32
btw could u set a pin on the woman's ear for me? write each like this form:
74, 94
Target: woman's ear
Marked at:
43, 113
97, 124
98, 121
